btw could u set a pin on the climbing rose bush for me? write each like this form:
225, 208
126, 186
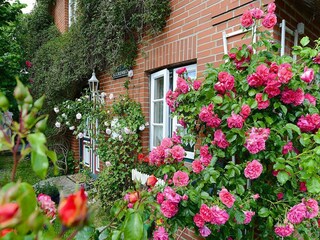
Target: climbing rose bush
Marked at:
255, 174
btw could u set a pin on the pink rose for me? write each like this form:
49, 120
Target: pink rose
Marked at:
285, 73
312, 208
204, 231
220, 139
176, 139
198, 220
288, 148
256, 196
306, 123
226, 198
235, 121
271, 7
284, 230
263, 72
226, 82
206, 213
171, 195
177, 153
169, 209
246, 19
182, 85
160, 198
196, 85
303, 187
245, 111
269, 20
248, 216
297, 213
280, 196
171, 98
273, 89
197, 166
166, 143
47, 205
257, 13
262, 104
180, 179
253, 170
219, 216
254, 80
181, 70
205, 156
160, 234
316, 59
312, 100
308, 75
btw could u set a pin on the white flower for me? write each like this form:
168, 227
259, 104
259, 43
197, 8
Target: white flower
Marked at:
58, 124
78, 116
130, 73
108, 131
103, 94
67, 123
142, 127
106, 124
56, 110
127, 130
64, 115
114, 122
147, 124
111, 96
80, 135
108, 111
79, 100
72, 128
108, 164
87, 96
120, 138
68, 107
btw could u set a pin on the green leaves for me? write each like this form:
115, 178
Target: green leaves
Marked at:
283, 177
313, 185
293, 127
264, 212
304, 41
133, 228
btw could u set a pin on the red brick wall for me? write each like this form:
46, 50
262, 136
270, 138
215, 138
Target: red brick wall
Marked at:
60, 15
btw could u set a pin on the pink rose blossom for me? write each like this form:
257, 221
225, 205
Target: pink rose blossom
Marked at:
198, 220
225, 83
180, 179
160, 198
245, 111
253, 169
182, 122
171, 195
263, 72
206, 213
312, 208
285, 73
176, 139
182, 85
235, 121
289, 148
248, 216
204, 231
205, 156
269, 20
316, 59
273, 89
28, 64
171, 98
312, 100
308, 75
262, 104
166, 143
289, 96
226, 198
284, 230
257, 13
168, 208
274, 68
271, 7
220, 139
177, 152
309, 122
157, 156
160, 234
130, 205
256, 138
256, 196
297, 213
246, 19
219, 216
181, 70
196, 85
185, 197
254, 80
47, 205
197, 166
207, 115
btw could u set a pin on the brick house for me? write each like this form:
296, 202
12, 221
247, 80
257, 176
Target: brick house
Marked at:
197, 32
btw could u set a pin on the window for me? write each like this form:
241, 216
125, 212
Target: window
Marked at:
161, 124
72, 11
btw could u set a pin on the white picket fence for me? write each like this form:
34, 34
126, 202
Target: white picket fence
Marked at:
142, 177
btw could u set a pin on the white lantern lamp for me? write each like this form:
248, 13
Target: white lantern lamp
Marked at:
93, 83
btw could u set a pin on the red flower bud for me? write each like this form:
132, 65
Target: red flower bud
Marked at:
151, 181
133, 197
73, 209
9, 213
5, 231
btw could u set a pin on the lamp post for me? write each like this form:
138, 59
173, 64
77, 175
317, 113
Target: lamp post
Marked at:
93, 84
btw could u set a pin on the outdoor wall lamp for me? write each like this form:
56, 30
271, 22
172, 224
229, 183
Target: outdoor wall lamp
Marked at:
93, 83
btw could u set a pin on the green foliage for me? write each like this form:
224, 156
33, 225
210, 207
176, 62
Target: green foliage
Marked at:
105, 35
48, 189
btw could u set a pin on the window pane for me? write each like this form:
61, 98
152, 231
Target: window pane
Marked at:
158, 88
192, 74
157, 135
189, 147
158, 112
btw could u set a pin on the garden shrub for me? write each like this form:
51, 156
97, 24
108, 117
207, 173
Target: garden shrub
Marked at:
48, 189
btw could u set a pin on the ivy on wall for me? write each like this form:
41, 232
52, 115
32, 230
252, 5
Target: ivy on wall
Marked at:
105, 35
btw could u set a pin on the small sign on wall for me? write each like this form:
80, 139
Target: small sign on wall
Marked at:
120, 72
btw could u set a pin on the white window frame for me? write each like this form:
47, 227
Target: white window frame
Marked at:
167, 120
175, 123
165, 124
72, 7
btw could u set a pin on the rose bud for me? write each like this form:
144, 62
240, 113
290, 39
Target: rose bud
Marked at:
151, 181
133, 197
9, 214
5, 231
73, 209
